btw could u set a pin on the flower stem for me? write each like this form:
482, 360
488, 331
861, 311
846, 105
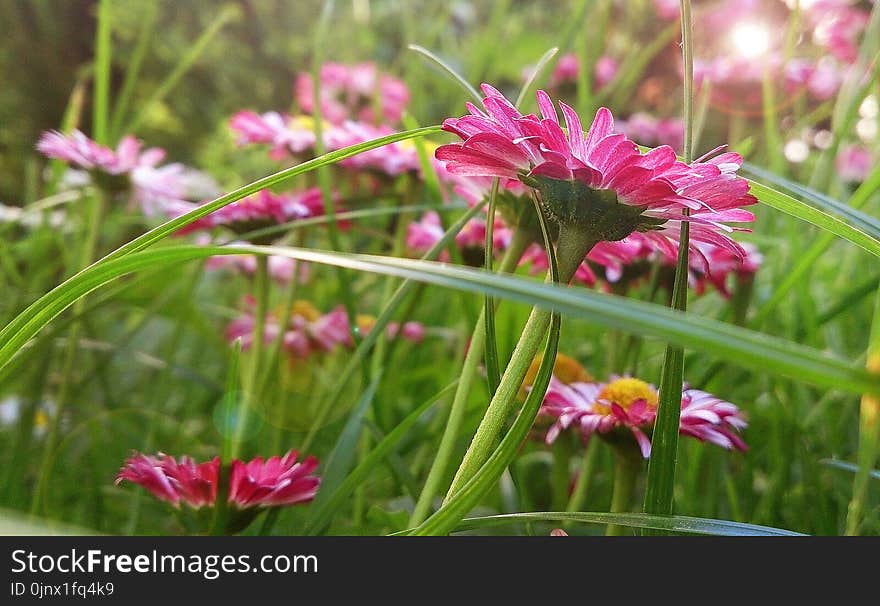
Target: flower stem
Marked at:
664, 451
561, 475
626, 470
574, 244
518, 244
585, 475
94, 212
869, 433
251, 386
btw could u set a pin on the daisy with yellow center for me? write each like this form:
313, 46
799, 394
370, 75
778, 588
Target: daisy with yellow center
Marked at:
630, 404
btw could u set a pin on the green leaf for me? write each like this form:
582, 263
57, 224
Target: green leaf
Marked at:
322, 512
227, 14
342, 457
850, 213
747, 348
862, 235
684, 524
449, 71
850, 467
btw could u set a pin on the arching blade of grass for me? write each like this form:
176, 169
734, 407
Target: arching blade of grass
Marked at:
824, 202
850, 467
536, 72
133, 69
806, 260
449, 71
748, 348
227, 14
868, 239
683, 524
322, 511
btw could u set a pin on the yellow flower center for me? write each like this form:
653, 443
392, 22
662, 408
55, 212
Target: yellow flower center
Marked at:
566, 369
41, 420
626, 392
365, 322
302, 122
306, 310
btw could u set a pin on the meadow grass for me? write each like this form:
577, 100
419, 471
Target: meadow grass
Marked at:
113, 336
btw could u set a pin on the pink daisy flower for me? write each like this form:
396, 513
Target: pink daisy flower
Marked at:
348, 92
308, 331
629, 405
285, 134
263, 209
423, 234
173, 480
711, 419
854, 163
391, 160
80, 151
655, 187
159, 190
273, 482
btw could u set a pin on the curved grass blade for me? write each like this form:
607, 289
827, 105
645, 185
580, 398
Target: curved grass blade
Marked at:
747, 348
850, 213
227, 14
342, 456
321, 513
684, 524
806, 260
868, 240
850, 467
449, 71
539, 68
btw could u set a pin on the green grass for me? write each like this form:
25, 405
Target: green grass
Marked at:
118, 323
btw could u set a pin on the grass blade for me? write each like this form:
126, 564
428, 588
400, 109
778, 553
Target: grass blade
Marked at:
449, 71
227, 14
342, 457
664, 449
683, 524
323, 512
747, 348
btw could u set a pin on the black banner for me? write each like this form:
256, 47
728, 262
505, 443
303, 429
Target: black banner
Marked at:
171, 569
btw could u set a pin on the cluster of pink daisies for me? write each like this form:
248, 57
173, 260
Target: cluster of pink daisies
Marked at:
529, 155
273, 482
308, 331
